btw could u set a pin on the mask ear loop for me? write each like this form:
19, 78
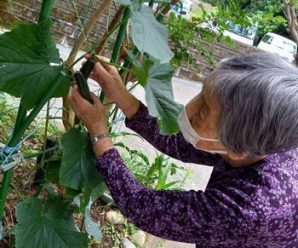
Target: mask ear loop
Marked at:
207, 139
214, 151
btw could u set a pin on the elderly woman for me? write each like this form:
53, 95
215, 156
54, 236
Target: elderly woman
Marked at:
244, 123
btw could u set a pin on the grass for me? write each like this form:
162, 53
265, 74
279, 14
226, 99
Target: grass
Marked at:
196, 12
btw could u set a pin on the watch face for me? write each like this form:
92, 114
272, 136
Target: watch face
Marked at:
99, 137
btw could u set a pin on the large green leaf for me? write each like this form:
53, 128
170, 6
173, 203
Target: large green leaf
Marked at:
78, 163
47, 224
149, 35
29, 63
160, 99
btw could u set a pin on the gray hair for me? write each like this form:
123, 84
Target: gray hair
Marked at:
258, 97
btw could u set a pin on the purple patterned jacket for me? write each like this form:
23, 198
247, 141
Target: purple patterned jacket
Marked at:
249, 207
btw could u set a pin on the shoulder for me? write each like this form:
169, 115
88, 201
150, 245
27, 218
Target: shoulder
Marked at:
266, 194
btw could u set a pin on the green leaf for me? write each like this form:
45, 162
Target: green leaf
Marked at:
134, 153
170, 185
29, 63
133, 58
47, 224
142, 72
84, 202
52, 171
163, 176
92, 227
149, 35
70, 193
160, 99
98, 191
78, 162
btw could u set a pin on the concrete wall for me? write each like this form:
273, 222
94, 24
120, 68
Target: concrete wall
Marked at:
66, 29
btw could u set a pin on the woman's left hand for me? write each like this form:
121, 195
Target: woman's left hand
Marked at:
92, 115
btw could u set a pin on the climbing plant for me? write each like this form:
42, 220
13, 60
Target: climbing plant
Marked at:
31, 69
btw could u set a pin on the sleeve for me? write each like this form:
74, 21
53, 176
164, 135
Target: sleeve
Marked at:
174, 146
196, 217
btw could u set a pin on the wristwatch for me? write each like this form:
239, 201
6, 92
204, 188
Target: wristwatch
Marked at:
98, 138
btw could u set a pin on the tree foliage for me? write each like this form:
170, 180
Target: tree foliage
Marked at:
267, 14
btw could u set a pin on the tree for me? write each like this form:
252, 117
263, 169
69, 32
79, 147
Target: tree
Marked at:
290, 13
268, 14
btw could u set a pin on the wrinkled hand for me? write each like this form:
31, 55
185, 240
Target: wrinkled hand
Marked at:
108, 78
92, 115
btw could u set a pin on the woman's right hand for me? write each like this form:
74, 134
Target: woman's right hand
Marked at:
108, 78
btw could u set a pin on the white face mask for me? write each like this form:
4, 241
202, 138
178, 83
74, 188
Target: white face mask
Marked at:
191, 136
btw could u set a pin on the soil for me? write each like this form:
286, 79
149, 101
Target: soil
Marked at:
23, 175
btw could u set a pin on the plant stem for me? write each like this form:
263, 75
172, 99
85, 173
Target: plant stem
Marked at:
22, 113
46, 9
116, 108
21, 123
82, 224
89, 25
45, 134
17, 192
112, 25
58, 81
120, 36
17, 135
4, 191
117, 66
8, 175
119, 41
39, 189
106, 36
80, 21
127, 63
34, 155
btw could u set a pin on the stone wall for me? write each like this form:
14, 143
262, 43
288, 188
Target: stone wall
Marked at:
65, 24
66, 28
219, 51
